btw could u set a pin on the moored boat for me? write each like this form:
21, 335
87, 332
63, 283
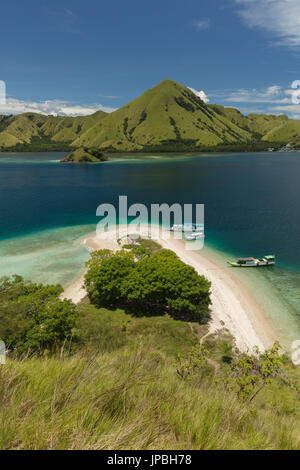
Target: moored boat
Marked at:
186, 227
195, 236
268, 260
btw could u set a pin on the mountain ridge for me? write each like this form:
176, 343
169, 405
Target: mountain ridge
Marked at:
168, 115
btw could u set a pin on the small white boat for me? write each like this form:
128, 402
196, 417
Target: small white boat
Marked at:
195, 236
186, 227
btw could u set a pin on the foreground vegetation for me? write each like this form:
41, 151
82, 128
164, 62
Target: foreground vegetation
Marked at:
124, 389
89, 377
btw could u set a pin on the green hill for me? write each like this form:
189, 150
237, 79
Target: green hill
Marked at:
167, 113
67, 129
33, 129
288, 131
257, 124
169, 116
85, 155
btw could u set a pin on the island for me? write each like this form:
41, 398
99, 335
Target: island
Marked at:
85, 155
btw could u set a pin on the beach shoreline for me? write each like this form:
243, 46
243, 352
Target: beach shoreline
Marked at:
233, 307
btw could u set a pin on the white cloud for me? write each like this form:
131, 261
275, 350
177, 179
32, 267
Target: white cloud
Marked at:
273, 90
274, 99
51, 107
201, 94
272, 94
202, 24
293, 110
280, 17
291, 107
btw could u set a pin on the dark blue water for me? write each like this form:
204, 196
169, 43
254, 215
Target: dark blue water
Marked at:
252, 208
252, 201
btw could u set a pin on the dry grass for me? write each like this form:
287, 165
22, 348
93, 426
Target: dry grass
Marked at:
128, 399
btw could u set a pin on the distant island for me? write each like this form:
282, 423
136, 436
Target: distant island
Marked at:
85, 155
167, 118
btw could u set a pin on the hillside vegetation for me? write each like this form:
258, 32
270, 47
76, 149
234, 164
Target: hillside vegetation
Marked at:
89, 377
169, 116
32, 131
126, 388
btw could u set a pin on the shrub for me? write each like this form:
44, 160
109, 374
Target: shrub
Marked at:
32, 316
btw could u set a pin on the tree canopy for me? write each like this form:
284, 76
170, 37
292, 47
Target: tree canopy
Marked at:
153, 284
32, 317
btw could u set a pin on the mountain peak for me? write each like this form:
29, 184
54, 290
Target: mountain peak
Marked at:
167, 83
167, 114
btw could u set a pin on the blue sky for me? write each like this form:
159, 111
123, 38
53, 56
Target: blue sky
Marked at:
73, 57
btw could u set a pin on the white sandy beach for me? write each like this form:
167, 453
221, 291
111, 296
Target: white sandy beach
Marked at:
233, 307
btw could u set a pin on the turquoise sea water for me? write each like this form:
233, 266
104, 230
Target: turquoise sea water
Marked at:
252, 208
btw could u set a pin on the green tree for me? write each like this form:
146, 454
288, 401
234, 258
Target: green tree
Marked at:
104, 278
155, 284
97, 257
32, 316
163, 283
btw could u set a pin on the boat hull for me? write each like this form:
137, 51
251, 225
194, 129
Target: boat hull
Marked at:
254, 265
